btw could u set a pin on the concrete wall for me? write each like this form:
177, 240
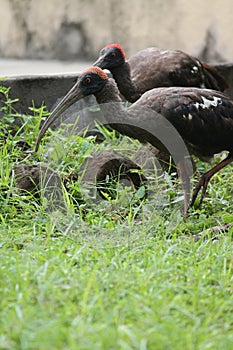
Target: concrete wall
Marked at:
50, 89
71, 29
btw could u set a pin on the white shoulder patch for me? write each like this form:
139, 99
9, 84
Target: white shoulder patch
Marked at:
194, 69
208, 103
189, 116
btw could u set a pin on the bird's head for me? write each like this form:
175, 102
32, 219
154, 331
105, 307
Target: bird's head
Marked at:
91, 81
111, 56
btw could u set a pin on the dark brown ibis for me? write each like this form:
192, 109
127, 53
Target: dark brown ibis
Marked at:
203, 118
153, 67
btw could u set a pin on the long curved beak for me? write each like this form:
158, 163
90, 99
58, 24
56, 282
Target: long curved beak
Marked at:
70, 98
100, 62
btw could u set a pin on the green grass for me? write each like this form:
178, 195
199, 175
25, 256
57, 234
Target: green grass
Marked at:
116, 274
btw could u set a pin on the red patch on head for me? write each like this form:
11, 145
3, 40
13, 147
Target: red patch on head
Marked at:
117, 46
95, 70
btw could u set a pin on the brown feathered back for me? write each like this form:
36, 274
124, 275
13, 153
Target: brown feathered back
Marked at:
153, 67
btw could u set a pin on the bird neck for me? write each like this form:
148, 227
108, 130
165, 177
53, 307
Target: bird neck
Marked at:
113, 110
134, 121
109, 93
122, 76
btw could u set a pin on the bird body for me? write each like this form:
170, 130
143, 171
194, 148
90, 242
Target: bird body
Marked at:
203, 118
154, 67
197, 114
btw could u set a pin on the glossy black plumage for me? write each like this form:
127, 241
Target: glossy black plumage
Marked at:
202, 117
153, 67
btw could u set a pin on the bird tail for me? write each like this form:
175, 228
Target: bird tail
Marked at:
213, 79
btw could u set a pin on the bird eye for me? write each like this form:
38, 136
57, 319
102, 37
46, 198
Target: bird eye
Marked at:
88, 80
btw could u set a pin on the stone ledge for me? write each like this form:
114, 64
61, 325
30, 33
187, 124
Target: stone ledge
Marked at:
41, 89
48, 89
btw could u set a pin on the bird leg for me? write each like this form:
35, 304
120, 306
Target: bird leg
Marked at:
205, 178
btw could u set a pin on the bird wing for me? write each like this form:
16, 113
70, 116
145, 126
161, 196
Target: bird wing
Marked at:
203, 117
153, 67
